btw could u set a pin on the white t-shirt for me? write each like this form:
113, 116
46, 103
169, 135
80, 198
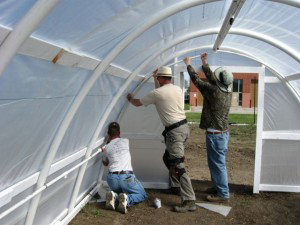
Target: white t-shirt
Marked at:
168, 102
117, 152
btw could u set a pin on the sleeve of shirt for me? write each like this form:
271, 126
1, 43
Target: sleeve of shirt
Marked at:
148, 99
209, 74
107, 149
201, 85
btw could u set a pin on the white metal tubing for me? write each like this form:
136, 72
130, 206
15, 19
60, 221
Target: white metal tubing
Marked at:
275, 72
295, 3
63, 175
14, 207
260, 114
23, 30
114, 101
270, 40
248, 55
231, 15
292, 77
259, 131
157, 17
86, 88
74, 211
279, 188
98, 71
137, 71
191, 57
31, 180
124, 109
282, 135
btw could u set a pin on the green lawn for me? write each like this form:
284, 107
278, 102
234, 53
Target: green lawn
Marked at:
233, 118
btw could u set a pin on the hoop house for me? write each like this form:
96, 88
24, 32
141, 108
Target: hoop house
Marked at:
66, 67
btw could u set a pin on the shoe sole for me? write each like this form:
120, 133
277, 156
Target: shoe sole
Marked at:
110, 201
122, 204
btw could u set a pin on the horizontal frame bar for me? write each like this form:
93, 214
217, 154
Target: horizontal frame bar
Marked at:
282, 135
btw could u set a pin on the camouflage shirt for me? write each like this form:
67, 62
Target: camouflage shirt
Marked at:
216, 103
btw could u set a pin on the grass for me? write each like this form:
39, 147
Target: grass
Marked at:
186, 107
233, 118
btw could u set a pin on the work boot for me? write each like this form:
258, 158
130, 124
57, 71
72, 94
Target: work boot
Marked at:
110, 200
123, 200
211, 191
187, 205
216, 198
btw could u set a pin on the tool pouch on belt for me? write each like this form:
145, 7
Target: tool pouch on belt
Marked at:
173, 126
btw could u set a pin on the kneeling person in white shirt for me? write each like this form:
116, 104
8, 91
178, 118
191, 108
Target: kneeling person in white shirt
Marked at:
121, 179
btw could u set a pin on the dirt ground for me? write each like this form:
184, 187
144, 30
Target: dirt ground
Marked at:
266, 208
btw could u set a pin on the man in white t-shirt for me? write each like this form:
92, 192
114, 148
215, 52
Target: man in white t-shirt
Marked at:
167, 99
120, 178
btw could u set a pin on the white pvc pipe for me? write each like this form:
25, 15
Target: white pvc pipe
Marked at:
88, 85
292, 77
232, 13
223, 49
108, 111
270, 40
73, 213
154, 19
124, 109
193, 35
259, 132
14, 207
295, 3
236, 51
24, 28
141, 67
63, 175
139, 86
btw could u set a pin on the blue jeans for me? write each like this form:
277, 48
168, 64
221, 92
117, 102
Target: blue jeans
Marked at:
217, 147
127, 183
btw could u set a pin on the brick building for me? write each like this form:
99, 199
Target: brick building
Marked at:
245, 89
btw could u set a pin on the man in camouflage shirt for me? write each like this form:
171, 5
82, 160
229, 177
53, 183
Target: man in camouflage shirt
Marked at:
217, 95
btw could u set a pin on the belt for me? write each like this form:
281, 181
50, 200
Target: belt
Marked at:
122, 172
173, 126
216, 132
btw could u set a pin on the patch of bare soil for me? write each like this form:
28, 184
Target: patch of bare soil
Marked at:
265, 208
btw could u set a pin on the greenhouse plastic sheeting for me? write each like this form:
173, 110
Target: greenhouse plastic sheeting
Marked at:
65, 81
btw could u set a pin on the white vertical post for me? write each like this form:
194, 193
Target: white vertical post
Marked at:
259, 130
22, 31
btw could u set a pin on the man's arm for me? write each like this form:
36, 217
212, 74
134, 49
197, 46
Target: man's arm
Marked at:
105, 161
134, 101
201, 85
206, 69
156, 83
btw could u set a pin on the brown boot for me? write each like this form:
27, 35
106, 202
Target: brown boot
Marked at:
216, 198
187, 205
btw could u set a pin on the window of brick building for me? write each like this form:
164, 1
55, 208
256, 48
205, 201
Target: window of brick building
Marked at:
238, 88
